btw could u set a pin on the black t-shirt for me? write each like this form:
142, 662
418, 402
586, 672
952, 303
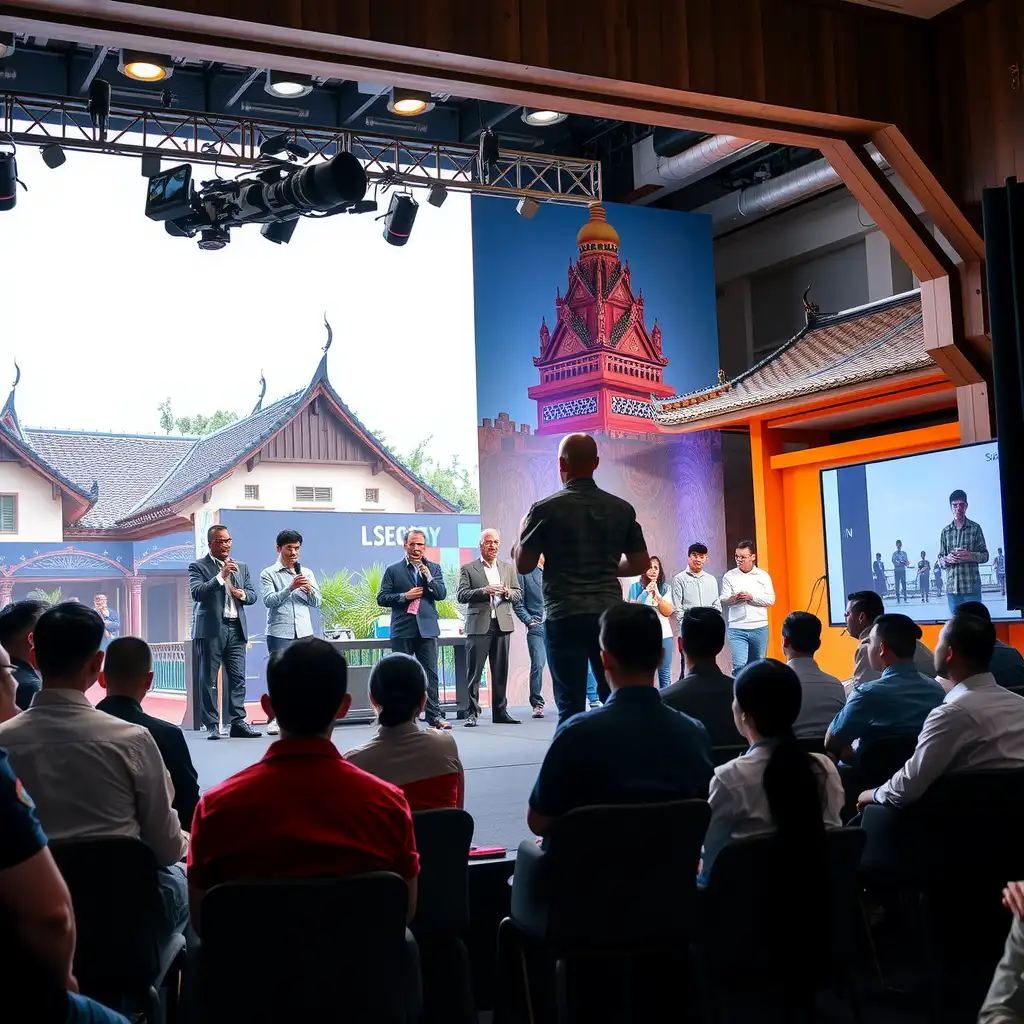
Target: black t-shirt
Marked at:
21, 835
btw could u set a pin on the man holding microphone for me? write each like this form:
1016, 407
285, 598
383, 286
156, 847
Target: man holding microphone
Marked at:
289, 591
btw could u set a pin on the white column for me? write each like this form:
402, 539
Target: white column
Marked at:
878, 255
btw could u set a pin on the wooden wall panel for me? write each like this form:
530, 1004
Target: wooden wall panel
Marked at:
320, 438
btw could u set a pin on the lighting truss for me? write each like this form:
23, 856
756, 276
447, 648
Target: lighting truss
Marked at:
221, 139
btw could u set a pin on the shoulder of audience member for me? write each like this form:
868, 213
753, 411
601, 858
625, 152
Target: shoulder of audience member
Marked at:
732, 774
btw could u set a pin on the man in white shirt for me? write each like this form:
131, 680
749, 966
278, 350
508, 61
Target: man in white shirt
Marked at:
979, 726
747, 594
92, 774
823, 696
693, 587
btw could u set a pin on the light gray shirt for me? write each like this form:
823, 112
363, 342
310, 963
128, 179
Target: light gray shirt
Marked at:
979, 726
287, 609
1004, 1003
823, 697
91, 774
692, 591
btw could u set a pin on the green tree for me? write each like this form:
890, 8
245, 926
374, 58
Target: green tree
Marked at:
166, 416
450, 479
50, 597
199, 424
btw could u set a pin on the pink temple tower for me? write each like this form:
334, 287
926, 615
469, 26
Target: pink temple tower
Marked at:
599, 366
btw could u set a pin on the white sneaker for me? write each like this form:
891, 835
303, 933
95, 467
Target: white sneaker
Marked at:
273, 729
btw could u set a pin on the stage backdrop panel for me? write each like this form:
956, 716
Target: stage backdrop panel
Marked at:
582, 316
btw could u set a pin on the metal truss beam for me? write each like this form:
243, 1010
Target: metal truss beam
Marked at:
235, 141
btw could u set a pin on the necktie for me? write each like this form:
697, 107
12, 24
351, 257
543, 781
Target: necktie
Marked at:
414, 605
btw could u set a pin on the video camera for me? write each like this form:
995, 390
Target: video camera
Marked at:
274, 193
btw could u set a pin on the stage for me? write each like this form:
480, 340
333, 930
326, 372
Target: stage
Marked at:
501, 763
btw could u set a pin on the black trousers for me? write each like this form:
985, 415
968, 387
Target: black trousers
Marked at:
424, 650
492, 647
228, 650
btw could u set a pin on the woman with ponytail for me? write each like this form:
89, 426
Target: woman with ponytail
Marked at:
775, 786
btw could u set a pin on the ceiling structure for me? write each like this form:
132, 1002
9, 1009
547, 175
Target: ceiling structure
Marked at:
913, 8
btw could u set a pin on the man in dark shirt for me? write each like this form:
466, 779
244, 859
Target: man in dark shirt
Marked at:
1007, 664
530, 611
704, 691
16, 624
635, 749
127, 675
589, 539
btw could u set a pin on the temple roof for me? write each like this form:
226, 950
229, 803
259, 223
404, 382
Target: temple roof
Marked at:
82, 493
833, 351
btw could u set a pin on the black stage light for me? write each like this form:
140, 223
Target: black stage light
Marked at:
279, 231
145, 67
286, 85
6, 44
8, 175
437, 195
487, 156
53, 156
150, 165
527, 208
99, 105
399, 219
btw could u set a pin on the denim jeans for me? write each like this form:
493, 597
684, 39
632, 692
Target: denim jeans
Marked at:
955, 600
665, 668
538, 659
591, 686
747, 645
572, 643
88, 1011
174, 893
277, 643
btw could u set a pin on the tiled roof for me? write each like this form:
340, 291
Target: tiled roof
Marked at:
832, 351
126, 467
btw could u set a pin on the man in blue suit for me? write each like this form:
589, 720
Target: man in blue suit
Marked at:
221, 589
411, 588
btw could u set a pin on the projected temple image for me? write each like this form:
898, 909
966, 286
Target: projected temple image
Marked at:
925, 532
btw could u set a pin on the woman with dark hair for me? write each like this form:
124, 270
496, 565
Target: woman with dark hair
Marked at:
652, 589
423, 763
775, 786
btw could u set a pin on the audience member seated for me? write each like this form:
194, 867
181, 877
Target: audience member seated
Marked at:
8, 688
127, 676
1007, 662
776, 784
897, 702
91, 774
37, 920
302, 811
979, 726
16, 624
704, 691
862, 608
823, 695
1004, 1003
634, 748
423, 763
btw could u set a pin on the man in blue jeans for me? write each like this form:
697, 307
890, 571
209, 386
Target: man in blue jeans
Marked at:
589, 539
962, 549
531, 613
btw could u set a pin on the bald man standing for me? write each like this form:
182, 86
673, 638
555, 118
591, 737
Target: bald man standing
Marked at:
589, 538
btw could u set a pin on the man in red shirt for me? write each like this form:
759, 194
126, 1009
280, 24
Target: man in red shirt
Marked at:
303, 810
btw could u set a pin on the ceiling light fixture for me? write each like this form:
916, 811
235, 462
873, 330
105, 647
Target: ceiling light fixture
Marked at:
409, 102
286, 85
145, 67
527, 207
53, 156
542, 118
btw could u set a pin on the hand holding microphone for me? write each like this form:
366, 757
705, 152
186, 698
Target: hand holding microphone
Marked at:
425, 571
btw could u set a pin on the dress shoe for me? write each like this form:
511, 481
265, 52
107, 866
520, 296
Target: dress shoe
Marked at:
439, 723
504, 718
243, 731
212, 732
470, 722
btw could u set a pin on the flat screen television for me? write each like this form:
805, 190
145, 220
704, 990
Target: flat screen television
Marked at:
875, 510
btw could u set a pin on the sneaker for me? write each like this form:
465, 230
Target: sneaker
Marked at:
470, 722
594, 704
537, 713
273, 729
212, 732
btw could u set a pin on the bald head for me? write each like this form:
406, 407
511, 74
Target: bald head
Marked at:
577, 457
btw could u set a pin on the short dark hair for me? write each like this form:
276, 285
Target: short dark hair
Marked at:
803, 631
899, 633
748, 544
878, 554
975, 608
867, 602
702, 632
127, 660
18, 617
288, 537
214, 529
973, 639
66, 637
696, 548
307, 682
631, 634
397, 685
958, 495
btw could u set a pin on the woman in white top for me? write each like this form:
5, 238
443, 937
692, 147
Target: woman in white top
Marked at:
776, 786
747, 594
652, 589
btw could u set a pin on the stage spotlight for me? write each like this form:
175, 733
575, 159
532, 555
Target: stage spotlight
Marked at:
409, 102
99, 105
437, 195
286, 85
399, 219
487, 156
53, 156
279, 231
527, 208
150, 165
145, 67
542, 118
6, 44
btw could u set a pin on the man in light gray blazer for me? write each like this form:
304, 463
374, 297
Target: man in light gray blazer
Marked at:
489, 588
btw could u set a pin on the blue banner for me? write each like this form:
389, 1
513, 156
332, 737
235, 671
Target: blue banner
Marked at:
854, 528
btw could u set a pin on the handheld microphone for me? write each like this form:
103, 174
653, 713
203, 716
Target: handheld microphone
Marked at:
298, 568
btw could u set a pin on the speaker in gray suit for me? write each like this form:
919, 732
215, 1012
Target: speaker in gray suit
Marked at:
489, 589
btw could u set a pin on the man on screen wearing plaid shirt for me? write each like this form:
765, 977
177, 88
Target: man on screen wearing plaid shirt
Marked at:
962, 549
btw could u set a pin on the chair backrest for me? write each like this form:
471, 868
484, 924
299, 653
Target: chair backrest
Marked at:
757, 924
335, 949
815, 746
442, 893
119, 913
644, 858
880, 760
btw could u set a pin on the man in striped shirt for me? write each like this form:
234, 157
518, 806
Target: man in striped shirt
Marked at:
962, 549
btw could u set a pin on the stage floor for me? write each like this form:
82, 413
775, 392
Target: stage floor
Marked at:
501, 763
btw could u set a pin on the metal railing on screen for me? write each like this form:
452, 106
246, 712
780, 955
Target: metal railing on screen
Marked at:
445, 666
169, 666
